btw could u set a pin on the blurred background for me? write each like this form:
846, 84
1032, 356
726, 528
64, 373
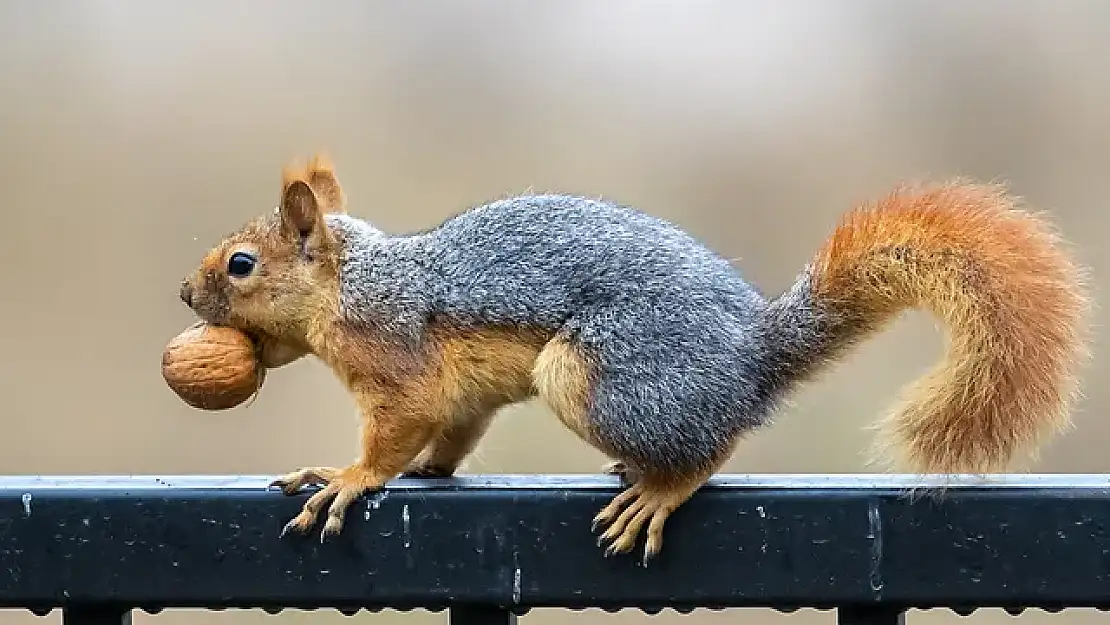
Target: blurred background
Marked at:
135, 134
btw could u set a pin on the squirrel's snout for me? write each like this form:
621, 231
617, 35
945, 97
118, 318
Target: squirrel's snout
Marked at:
187, 293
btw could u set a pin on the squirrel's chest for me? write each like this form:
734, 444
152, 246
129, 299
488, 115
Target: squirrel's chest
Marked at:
468, 368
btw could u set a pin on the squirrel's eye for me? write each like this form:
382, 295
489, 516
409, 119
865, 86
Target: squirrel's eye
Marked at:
240, 265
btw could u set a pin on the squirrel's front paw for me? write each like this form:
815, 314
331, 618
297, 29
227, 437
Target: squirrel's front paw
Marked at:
341, 488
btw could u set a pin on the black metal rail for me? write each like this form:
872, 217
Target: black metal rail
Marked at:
490, 548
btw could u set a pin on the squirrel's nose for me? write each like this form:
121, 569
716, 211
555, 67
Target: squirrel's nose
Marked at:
187, 293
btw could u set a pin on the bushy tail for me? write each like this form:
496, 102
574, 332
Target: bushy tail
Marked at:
1012, 299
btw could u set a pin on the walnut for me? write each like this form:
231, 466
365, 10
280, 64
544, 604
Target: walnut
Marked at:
212, 367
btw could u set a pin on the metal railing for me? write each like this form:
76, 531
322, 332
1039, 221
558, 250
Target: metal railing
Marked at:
488, 548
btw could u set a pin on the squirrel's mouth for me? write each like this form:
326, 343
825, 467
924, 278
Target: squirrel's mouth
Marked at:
213, 307
215, 313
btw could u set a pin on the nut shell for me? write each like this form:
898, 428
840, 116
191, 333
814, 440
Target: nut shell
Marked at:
212, 367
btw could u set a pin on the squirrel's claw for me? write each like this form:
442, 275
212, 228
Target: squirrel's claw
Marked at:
330, 529
300, 524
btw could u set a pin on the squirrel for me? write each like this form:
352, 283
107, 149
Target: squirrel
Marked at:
642, 341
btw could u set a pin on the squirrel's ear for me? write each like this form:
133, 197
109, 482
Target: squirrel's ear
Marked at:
300, 210
322, 178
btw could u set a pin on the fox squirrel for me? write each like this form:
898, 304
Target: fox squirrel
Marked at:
643, 342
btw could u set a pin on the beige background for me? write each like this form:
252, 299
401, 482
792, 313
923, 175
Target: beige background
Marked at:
136, 133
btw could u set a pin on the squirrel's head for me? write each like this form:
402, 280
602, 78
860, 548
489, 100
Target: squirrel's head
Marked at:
279, 271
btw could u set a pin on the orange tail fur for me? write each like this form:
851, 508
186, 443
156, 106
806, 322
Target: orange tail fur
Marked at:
1013, 301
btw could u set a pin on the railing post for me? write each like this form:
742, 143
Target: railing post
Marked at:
481, 615
870, 615
95, 615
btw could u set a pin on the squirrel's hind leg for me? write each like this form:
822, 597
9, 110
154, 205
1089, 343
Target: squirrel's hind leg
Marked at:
573, 382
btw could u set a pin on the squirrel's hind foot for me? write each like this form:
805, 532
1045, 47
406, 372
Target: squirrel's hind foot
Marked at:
642, 503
